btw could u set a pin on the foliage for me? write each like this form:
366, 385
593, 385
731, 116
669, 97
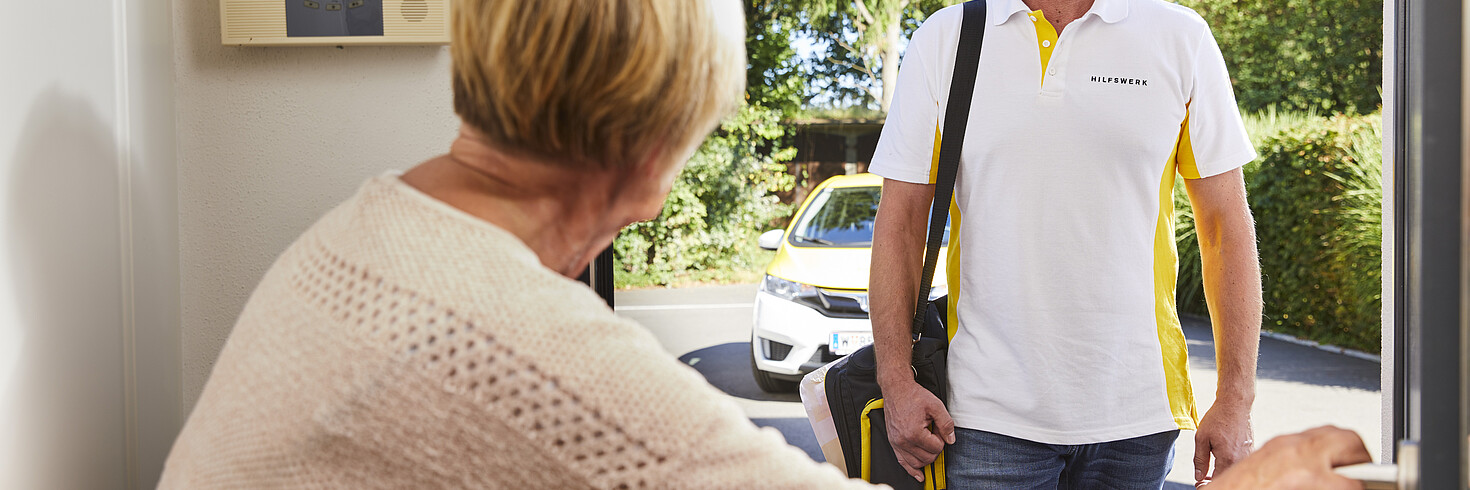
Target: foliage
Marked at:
1270, 123
719, 204
1300, 55
863, 41
774, 78
701, 277
1317, 196
723, 198
1357, 241
1260, 126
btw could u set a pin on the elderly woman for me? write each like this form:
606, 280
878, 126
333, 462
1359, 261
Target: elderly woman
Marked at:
427, 333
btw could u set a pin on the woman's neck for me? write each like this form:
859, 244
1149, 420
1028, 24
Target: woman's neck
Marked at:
562, 214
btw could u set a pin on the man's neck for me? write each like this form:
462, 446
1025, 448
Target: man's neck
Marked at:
1060, 12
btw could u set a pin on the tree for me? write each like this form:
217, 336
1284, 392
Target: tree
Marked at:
774, 78
864, 41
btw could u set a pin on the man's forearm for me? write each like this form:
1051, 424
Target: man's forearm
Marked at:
1232, 280
893, 281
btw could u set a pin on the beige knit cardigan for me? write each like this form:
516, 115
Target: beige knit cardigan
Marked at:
401, 343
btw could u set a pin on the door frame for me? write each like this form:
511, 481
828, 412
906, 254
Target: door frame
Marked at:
1429, 320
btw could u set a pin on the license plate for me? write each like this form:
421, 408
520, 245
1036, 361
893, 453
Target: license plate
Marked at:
845, 343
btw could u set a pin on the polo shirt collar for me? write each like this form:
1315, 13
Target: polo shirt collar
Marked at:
1110, 11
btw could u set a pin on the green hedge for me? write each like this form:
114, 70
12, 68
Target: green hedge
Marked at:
723, 199
1323, 55
1316, 193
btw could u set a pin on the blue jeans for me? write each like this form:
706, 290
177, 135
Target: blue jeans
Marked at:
985, 460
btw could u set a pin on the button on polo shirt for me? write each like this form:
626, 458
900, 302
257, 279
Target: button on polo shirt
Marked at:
1061, 260
1048, 36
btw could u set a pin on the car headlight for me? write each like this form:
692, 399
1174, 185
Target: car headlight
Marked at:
787, 290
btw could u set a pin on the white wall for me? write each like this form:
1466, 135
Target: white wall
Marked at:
269, 139
148, 177
88, 284
1386, 443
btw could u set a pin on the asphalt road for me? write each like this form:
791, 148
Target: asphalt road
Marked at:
1297, 387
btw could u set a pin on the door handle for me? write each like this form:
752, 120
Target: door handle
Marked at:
1377, 476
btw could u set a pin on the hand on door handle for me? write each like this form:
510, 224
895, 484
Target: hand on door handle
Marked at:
1298, 461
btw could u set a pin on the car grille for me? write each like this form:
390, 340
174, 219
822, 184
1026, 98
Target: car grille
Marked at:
774, 350
838, 303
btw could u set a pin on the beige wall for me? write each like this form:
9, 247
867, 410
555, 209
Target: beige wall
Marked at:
269, 139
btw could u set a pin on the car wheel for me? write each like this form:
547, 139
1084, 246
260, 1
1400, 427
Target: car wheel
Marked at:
765, 381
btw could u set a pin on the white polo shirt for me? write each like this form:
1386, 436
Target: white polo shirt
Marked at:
1062, 262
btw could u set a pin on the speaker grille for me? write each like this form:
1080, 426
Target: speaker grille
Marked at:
415, 10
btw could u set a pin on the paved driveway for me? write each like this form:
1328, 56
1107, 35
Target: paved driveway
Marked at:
1297, 387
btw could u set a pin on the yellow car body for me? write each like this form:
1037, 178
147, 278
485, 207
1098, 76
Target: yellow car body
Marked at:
812, 305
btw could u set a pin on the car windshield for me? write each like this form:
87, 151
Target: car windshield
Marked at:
841, 217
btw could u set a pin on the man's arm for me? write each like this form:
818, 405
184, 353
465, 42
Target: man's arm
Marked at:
1232, 280
893, 288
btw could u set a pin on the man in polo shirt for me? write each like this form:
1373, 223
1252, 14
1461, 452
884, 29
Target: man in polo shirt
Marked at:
1067, 363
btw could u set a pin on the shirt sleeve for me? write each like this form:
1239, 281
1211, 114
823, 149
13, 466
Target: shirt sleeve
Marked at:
906, 147
1212, 140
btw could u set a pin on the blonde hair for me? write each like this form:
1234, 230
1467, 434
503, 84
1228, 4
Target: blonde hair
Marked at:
601, 83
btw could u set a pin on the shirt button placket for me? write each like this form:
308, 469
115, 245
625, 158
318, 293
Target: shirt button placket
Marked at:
1054, 83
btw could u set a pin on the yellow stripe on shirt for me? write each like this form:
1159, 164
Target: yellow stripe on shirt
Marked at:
1046, 38
1174, 352
952, 264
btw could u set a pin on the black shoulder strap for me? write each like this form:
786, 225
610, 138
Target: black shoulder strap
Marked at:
952, 139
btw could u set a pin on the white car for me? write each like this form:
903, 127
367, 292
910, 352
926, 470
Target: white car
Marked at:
812, 306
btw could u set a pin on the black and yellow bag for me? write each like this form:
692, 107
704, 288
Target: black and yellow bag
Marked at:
851, 383
851, 386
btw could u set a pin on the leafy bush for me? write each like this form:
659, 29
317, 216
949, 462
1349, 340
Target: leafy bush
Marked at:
719, 205
1317, 196
1259, 126
1300, 55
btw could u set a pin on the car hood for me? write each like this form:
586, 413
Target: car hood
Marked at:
832, 268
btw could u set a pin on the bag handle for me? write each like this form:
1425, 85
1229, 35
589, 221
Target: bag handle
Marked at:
952, 139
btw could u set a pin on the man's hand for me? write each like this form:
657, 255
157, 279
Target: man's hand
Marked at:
909, 410
1298, 461
1225, 432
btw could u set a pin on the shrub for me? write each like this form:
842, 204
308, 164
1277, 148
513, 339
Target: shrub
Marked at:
720, 203
1316, 193
1259, 126
1299, 55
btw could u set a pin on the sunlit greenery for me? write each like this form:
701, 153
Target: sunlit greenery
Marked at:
1300, 55
1317, 196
